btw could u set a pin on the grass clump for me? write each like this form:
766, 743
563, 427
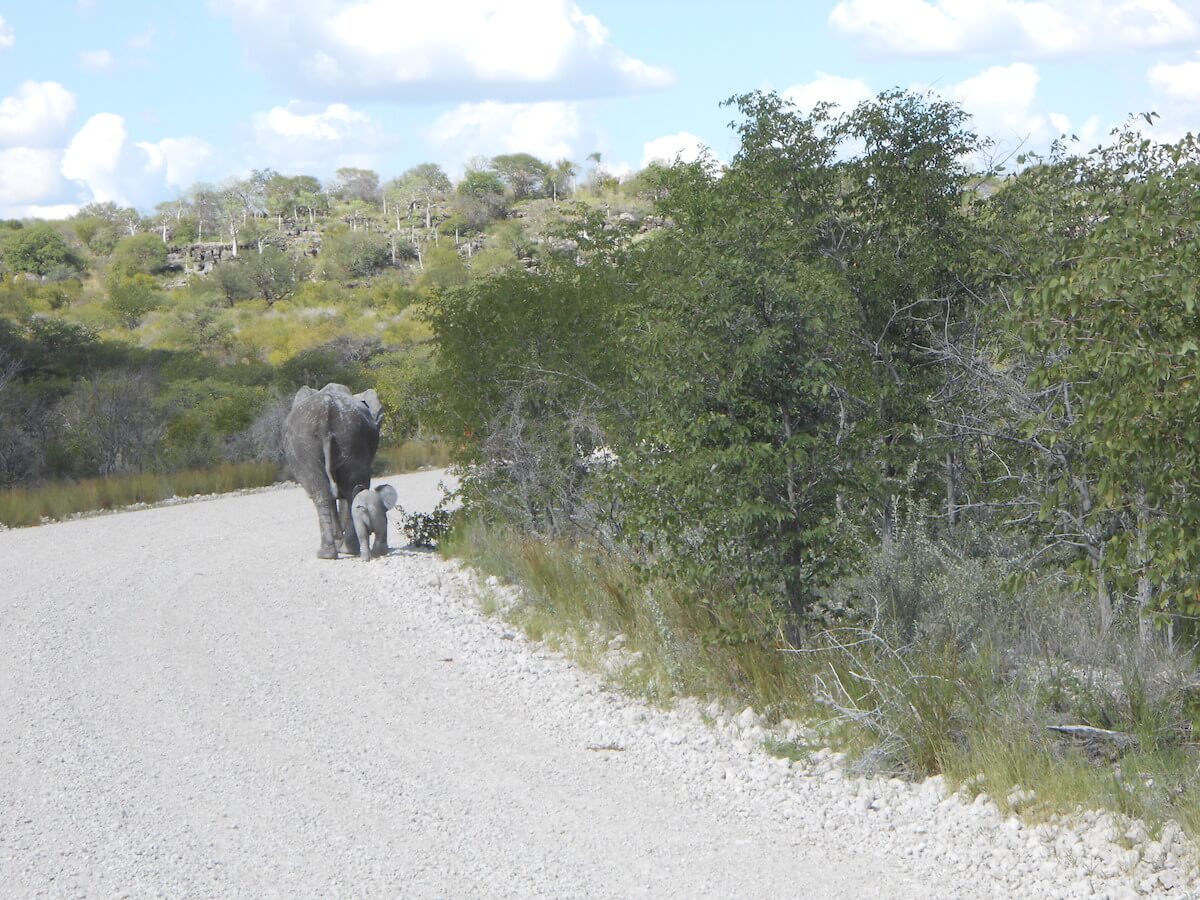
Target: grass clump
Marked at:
411, 456
935, 664
21, 507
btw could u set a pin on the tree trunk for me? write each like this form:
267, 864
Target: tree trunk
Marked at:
1103, 599
951, 489
1145, 589
428, 214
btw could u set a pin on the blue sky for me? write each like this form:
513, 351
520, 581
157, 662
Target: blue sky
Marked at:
134, 101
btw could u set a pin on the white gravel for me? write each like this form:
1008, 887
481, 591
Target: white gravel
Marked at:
192, 704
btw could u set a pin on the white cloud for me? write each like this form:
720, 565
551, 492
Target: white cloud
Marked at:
683, 146
1179, 81
1036, 27
299, 138
180, 160
550, 130
28, 175
40, 211
847, 93
335, 123
98, 61
37, 115
1004, 106
108, 166
141, 40
422, 52
1001, 101
7, 36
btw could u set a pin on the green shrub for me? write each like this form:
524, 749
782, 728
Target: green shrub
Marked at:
38, 249
139, 254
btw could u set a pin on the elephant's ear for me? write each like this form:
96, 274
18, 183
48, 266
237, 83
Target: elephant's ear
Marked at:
370, 399
388, 495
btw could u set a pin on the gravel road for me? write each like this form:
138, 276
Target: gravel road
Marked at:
192, 704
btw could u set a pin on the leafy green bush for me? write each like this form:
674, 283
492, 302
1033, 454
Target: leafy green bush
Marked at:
139, 254
426, 530
38, 249
131, 297
354, 254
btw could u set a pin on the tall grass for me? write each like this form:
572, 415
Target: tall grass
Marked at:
410, 456
581, 598
22, 507
963, 682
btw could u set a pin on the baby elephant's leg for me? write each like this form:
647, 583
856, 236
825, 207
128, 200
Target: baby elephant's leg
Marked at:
381, 543
362, 528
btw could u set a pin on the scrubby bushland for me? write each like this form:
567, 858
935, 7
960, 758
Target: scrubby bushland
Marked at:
870, 430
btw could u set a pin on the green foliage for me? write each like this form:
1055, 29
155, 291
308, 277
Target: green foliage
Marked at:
270, 275
352, 255
131, 297
21, 507
404, 383
427, 530
351, 183
443, 270
195, 323
523, 174
746, 371
1119, 333
524, 362
39, 249
343, 360
139, 254
480, 198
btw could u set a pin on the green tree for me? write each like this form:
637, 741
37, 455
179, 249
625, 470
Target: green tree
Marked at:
523, 174
480, 198
749, 388
39, 249
354, 254
143, 254
274, 274
523, 367
131, 297
292, 196
350, 183
561, 178
443, 269
1116, 322
422, 185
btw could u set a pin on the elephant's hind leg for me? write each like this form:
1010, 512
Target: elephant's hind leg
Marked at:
327, 519
347, 538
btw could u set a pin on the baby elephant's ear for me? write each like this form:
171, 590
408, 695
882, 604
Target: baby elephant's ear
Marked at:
387, 494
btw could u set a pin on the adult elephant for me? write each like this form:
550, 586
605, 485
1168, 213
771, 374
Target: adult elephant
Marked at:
330, 437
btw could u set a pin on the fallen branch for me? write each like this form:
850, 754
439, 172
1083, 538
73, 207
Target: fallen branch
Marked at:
1118, 740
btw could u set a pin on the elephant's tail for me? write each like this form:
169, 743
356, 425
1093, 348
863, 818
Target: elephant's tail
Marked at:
327, 449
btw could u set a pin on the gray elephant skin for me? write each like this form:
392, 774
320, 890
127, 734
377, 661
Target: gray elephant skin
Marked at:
329, 438
369, 512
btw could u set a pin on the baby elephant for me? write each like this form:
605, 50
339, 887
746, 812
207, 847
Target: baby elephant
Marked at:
369, 513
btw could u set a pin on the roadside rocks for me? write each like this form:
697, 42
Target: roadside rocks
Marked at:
960, 841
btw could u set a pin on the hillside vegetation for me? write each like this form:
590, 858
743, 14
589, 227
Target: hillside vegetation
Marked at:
851, 427
134, 344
